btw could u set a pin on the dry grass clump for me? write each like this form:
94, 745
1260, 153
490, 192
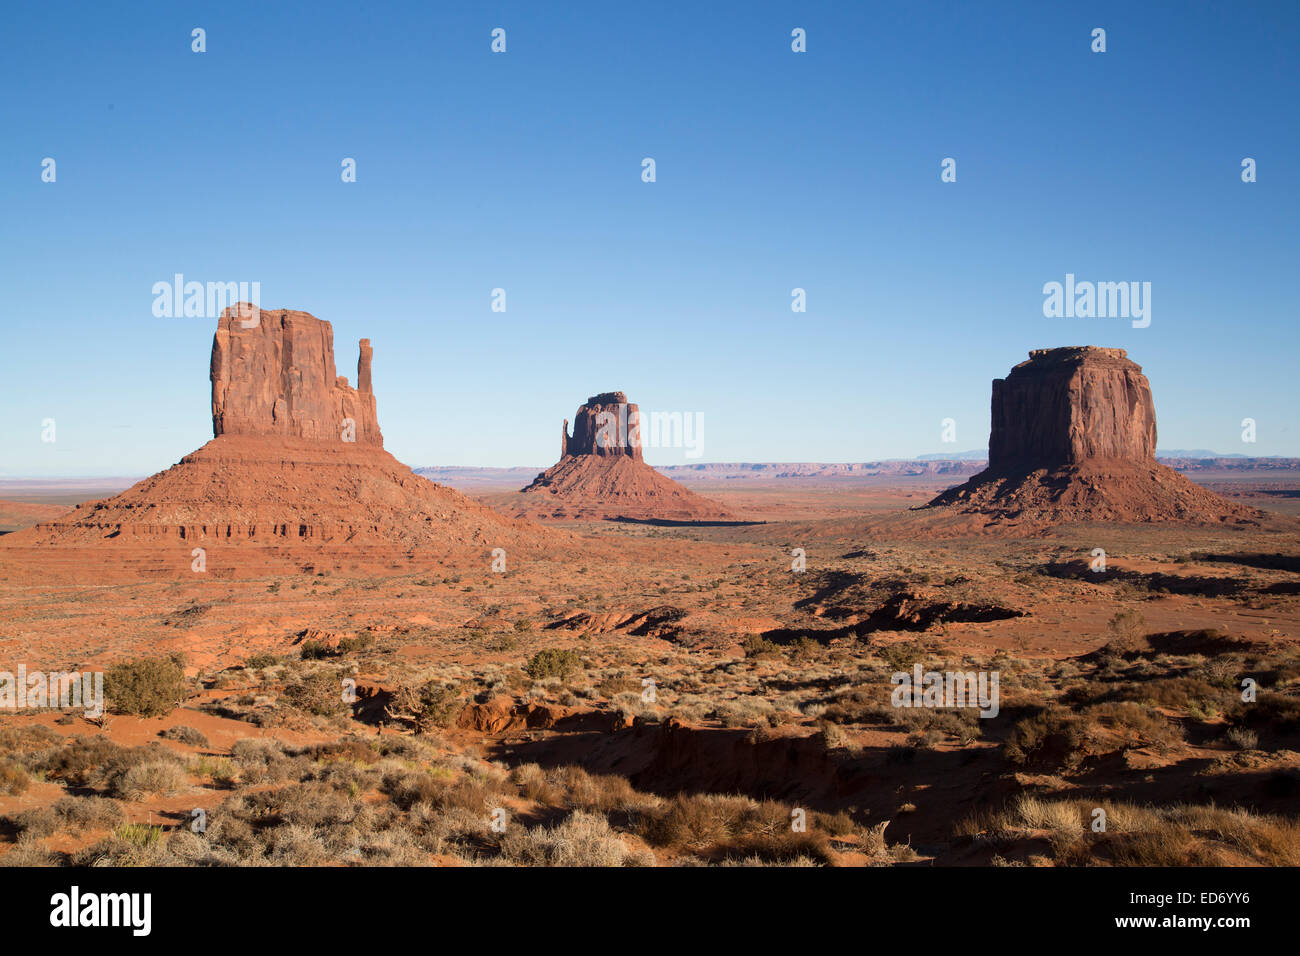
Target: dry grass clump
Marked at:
185, 735
319, 694
28, 852
729, 827
1179, 835
574, 788
69, 815
27, 740
161, 778
14, 778
99, 764
581, 839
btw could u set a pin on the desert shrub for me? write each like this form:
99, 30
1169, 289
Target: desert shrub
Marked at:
139, 834
426, 707
553, 662
783, 847
603, 792
1125, 628
35, 822
730, 828
155, 778
744, 711
149, 687
1137, 725
320, 694
901, 656
314, 650
352, 749
1242, 738
408, 788
838, 824
1192, 694
185, 735
756, 645
1038, 814
79, 761
220, 770
31, 739
862, 706
581, 839
14, 778
701, 821
351, 645
29, 852
534, 783
68, 814
88, 813
613, 686
1270, 711
833, 735
1052, 738
260, 661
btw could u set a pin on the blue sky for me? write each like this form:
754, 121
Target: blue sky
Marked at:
522, 171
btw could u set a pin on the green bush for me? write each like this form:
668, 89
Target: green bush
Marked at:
756, 645
150, 687
553, 662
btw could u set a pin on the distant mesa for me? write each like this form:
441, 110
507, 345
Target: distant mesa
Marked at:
297, 456
1073, 438
602, 473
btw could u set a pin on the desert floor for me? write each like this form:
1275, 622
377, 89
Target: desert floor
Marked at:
643, 694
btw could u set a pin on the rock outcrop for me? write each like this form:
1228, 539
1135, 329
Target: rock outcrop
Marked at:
277, 378
1073, 438
608, 426
1070, 405
602, 473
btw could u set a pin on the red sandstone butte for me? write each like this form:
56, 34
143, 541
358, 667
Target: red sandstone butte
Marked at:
278, 378
1073, 438
602, 474
284, 464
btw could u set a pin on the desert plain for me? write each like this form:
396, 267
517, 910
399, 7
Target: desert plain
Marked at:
492, 684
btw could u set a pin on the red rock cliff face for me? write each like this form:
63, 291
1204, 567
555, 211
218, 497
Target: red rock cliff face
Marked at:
1066, 406
611, 435
278, 378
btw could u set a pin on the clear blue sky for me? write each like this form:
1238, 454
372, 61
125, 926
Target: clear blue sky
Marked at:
523, 171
